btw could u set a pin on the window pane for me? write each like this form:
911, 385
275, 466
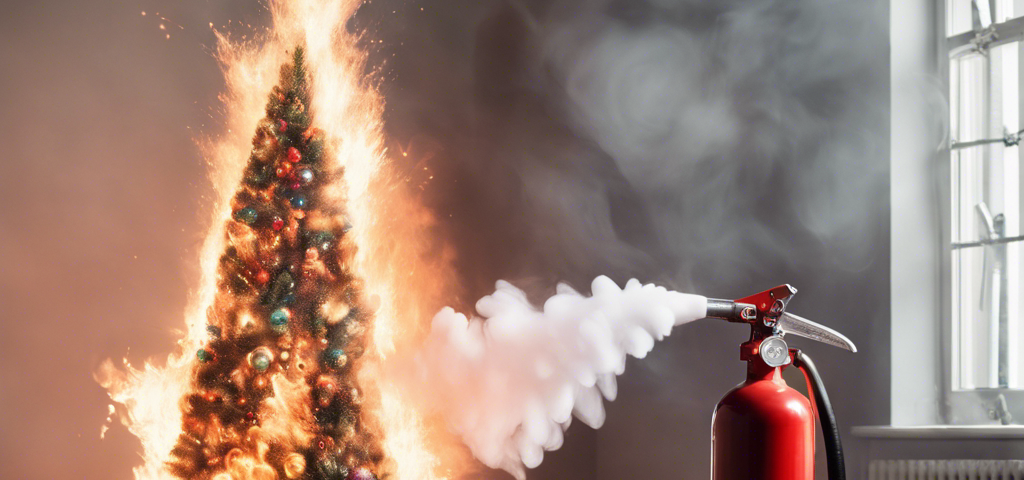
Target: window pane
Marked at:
959, 17
986, 205
1008, 10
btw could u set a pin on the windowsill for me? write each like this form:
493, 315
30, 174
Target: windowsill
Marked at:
986, 432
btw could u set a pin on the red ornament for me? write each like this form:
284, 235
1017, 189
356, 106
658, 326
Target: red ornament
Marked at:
325, 443
263, 276
282, 126
326, 389
293, 155
278, 224
284, 169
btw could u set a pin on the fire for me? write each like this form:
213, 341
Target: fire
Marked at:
402, 269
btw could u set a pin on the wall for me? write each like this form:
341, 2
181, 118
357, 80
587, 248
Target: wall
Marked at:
916, 225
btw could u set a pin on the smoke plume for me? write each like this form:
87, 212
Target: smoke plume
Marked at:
669, 140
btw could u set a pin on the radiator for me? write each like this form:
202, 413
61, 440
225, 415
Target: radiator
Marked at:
946, 470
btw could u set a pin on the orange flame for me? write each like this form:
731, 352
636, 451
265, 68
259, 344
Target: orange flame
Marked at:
398, 261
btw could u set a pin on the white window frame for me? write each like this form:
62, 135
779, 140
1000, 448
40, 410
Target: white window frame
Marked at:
977, 406
920, 363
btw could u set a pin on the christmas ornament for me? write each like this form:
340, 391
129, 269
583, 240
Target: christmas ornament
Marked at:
260, 358
246, 215
277, 224
299, 201
293, 155
305, 175
319, 239
279, 319
335, 358
294, 465
326, 389
282, 126
204, 355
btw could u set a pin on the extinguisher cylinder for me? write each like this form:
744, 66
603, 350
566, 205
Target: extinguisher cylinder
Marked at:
763, 430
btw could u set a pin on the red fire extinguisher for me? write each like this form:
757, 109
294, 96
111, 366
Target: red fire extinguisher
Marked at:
763, 429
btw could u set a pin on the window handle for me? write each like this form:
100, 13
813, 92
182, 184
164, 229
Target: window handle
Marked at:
990, 233
986, 216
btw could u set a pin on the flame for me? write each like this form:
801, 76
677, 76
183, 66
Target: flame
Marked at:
403, 268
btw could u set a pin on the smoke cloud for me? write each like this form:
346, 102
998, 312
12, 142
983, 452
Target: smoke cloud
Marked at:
684, 141
508, 380
705, 145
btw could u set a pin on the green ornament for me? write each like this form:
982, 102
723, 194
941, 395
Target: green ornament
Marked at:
319, 239
246, 215
335, 358
279, 319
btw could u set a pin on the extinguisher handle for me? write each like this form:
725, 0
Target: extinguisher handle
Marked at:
827, 417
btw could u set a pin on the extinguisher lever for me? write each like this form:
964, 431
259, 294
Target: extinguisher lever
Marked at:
802, 327
826, 416
766, 313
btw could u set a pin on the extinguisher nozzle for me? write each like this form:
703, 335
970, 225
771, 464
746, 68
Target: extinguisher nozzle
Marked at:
731, 311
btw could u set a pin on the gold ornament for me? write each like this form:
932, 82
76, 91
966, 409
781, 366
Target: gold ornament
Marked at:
294, 465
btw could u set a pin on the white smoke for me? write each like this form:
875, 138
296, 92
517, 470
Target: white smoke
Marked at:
509, 381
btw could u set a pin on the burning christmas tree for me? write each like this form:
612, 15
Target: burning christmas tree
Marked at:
288, 319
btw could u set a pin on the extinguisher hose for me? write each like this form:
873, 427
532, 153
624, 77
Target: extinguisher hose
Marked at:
829, 428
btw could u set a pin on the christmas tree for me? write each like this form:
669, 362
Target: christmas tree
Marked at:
274, 394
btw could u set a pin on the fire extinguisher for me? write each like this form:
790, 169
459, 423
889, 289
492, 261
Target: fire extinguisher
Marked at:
763, 429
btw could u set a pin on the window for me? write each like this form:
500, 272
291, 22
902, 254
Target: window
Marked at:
984, 370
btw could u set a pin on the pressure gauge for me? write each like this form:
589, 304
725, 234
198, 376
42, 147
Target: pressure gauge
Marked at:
774, 351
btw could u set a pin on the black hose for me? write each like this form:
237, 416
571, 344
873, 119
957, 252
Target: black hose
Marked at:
829, 428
